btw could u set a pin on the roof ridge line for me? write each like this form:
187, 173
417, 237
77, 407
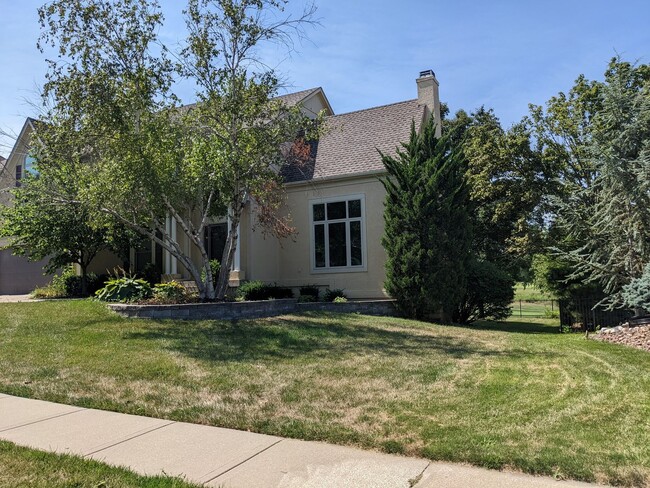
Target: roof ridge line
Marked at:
373, 108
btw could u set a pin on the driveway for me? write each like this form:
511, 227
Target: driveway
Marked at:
16, 298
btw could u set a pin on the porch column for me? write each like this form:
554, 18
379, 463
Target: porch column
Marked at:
173, 258
171, 263
237, 261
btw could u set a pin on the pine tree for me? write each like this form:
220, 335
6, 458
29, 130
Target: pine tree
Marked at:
427, 230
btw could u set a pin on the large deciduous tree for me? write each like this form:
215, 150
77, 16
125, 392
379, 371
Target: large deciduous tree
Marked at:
145, 159
427, 230
598, 137
507, 183
239, 128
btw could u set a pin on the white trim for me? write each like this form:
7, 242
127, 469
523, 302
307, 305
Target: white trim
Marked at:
168, 256
312, 239
236, 265
174, 259
350, 176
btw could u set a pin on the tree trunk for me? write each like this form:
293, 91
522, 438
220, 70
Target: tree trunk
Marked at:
84, 280
228, 255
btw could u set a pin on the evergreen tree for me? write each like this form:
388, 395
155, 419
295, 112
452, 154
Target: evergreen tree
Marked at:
427, 232
605, 220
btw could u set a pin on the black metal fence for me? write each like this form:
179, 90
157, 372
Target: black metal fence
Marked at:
585, 314
535, 308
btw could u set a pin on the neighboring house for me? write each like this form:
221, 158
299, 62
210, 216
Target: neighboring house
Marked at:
335, 201
17, 274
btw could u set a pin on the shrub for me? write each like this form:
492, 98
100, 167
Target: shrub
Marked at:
636, 294
48, 292
258, 290
331, 295
490, 292
125, 289
151, 273
309, 291
68, 284
340, 300
215, 268
280, 292
307, 299
171, 292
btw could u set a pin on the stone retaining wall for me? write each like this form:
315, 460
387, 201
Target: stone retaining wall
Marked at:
250, 310
384, 308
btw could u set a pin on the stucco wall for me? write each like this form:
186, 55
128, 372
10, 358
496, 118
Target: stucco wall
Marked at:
294, 254
8, 168
105, 262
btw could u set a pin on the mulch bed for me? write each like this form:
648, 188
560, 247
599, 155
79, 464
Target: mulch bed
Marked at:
638, 337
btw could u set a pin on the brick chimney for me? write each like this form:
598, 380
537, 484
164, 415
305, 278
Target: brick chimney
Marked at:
428, 96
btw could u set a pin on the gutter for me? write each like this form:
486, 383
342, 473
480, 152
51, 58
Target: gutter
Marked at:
325, 179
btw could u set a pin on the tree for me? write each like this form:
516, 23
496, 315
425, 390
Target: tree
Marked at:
41, 227
599, 138
146, 160
490, 292
427, 230
507, 183
240, 129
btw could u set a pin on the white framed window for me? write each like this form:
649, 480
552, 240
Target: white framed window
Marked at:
338, 234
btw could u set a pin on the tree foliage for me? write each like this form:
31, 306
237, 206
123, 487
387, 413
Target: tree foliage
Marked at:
40, 226
427, 230
490, 292
145, 159
507, 183
598, 139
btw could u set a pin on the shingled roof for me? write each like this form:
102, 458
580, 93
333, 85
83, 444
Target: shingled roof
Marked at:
291, 99
351, 141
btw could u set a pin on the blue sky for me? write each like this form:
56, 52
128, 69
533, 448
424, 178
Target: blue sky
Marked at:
502, 54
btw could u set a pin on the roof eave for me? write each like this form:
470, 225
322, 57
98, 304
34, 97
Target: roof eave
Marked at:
334, 178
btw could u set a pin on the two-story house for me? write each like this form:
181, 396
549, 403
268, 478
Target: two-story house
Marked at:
336, 203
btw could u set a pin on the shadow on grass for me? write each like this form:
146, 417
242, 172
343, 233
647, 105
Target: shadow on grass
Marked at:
518, 327
308, 335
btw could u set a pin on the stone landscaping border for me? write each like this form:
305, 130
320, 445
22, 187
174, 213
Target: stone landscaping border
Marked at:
250, 310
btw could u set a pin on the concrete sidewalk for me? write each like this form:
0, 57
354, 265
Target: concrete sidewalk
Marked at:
229, 458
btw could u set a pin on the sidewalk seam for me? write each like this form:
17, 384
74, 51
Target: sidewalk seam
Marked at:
414, 482
242, 462
130, 438
42, 420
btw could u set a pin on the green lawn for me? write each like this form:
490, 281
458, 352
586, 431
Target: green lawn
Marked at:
22, 467
521, 309
502, 395
531, 293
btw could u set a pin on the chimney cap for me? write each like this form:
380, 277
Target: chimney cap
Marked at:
427, 72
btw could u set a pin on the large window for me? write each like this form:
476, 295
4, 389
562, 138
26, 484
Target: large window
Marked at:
338, 234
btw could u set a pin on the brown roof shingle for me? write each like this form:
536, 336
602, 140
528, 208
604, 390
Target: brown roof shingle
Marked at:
291, 99
351, 141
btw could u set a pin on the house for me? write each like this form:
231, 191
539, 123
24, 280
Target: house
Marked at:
335, 201
18, 275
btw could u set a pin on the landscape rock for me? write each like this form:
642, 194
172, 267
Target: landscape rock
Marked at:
638, 337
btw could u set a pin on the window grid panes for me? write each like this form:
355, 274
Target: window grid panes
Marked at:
338, 234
